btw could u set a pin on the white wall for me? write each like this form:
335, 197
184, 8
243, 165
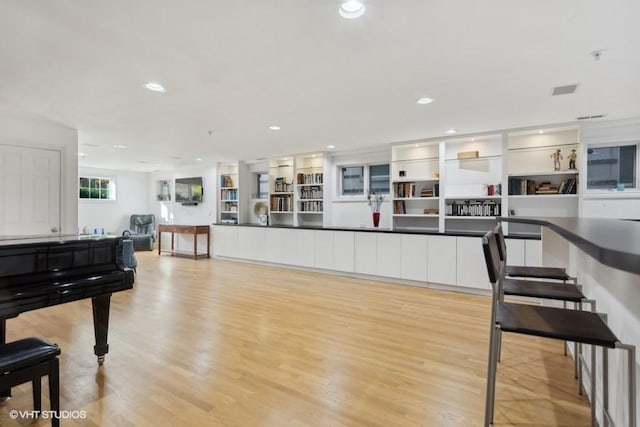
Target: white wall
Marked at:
132, 190
355, 211
614, 205
204, 213
23, 128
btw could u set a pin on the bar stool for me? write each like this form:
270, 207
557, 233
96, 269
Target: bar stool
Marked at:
569, 325
547, 273
565, 292
30, 359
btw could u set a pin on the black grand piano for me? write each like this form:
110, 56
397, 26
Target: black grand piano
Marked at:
41, 272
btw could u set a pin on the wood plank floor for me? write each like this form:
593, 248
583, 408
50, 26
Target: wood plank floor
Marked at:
221, 343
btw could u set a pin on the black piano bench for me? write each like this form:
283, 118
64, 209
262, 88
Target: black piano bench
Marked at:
30, 359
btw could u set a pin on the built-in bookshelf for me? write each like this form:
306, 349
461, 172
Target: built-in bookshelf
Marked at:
229, 206
309, 189
543, 179
415, 186
473, 187
281, 202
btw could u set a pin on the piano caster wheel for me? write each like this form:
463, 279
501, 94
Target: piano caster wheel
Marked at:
100, 360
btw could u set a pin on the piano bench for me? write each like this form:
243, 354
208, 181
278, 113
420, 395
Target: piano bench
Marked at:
30, 359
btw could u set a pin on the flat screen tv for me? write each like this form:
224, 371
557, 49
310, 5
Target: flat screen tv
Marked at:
189, 190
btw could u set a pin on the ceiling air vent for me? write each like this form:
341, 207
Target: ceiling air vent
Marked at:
564, 90
597, 116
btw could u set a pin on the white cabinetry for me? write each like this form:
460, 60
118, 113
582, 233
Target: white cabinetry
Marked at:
323, 257
389, 255
533, 253
471, 268
365, 253
441, 260
344, 250
515, 251
414, 257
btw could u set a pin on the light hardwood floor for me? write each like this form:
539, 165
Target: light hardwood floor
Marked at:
221, 343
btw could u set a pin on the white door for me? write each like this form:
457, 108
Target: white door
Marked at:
29, 191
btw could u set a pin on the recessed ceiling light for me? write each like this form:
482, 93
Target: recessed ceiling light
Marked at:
473, 139
351, 9
199, 159
540, 131
119, 146
81, 154
424, 101
274, 127
451, 131
331, 147
417, 145
155, 87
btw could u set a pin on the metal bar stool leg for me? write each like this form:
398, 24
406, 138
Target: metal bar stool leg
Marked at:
593, 386
605, 387
491, 376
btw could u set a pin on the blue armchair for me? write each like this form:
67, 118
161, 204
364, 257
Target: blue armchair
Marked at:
142, 230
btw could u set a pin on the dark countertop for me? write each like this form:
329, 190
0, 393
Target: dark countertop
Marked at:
383, 230
612, 242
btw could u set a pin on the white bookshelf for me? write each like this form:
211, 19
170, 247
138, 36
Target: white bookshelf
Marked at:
309, 189
229, 193
281, 200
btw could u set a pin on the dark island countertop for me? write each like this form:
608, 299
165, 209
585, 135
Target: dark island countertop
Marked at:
383, 230
612, 242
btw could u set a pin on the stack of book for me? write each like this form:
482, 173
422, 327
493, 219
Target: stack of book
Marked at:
547, 188
426, 192
282, 186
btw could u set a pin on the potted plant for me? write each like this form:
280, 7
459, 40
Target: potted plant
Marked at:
375, 201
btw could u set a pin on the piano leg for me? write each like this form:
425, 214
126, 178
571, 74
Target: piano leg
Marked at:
4, 394
101, 325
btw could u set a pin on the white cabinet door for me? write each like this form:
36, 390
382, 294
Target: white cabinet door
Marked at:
366, 253
389, 255
472, 269
323, 257
257, 241
515, 251
441, 260
218, 241
245, 245
275, 245
414, 257
230, 241
343, 251
533, 253
302, 249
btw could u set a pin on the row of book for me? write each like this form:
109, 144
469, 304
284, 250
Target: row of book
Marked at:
309, 178
230, 207
282, 203
311, 193
473, 208
282, 186
226, 181
229, 194
408, 189
314, 206
523, 186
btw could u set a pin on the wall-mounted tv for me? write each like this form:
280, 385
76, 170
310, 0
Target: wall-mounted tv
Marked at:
189, 190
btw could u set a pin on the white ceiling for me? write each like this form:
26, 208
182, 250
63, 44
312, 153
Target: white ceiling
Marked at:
236, 67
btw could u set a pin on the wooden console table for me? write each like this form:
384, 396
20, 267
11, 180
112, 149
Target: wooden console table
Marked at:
184, 229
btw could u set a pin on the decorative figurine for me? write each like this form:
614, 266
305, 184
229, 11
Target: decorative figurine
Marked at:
572, 159
556, 156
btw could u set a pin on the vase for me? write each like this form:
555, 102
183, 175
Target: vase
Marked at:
376, 219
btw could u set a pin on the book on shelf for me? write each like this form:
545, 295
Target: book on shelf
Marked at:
309, 178
281, 185
281, 203
229, 194
311, 206
399, 207
494, 189
226, 181
473, 208
431, 211
312, 192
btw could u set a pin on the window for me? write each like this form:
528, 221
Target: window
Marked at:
379, 179
611, 167
353, 179
97, 188
262, 182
